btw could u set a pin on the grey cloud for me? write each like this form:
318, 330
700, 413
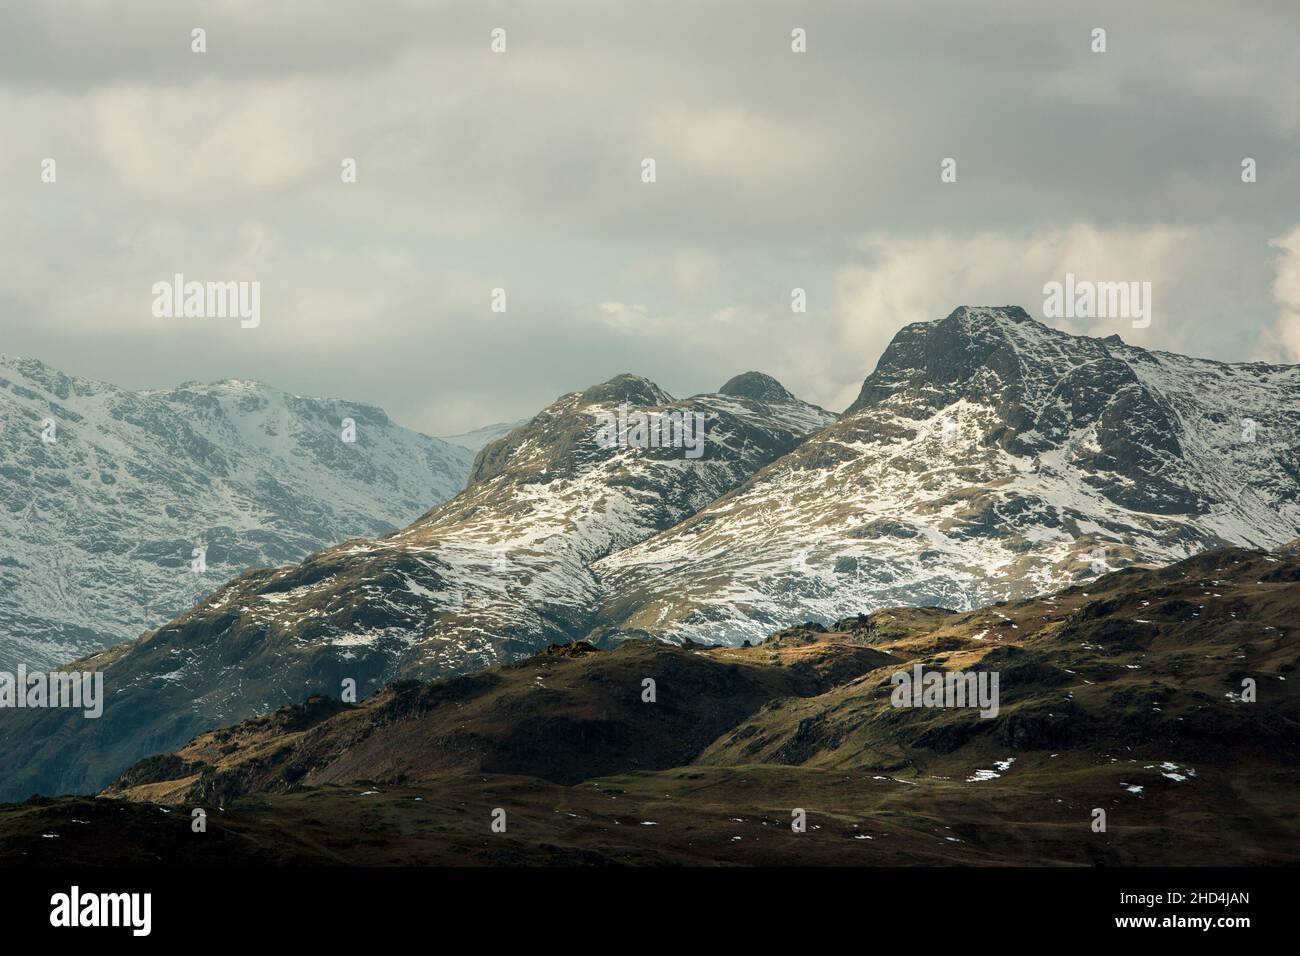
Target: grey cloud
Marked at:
522, 171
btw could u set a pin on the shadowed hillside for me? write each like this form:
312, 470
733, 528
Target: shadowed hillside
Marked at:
1126, 695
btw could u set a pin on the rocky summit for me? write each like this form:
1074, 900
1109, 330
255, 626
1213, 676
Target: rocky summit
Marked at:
988, 457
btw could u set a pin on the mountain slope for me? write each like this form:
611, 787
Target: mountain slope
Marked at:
98, 524
987, 457
1125, 694
498, 572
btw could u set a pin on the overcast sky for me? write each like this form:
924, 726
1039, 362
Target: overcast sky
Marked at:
522, 170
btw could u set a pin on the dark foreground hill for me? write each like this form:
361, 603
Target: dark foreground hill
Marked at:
1131, 695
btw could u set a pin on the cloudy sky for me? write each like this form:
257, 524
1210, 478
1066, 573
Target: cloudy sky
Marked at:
522, 170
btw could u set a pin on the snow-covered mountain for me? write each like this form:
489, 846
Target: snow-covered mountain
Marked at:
504, 568
987, 457
106, 493
498, 572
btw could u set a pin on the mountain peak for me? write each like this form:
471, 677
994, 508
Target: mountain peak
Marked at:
236, 385
992, 313
633, 389
971, 348
758, 386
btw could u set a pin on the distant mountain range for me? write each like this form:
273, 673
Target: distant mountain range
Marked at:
106, 493
987, 458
